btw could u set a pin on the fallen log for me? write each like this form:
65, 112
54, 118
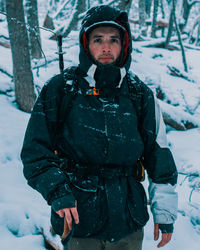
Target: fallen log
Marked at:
177, 118
176, 72
160, 42
5, 45
159, 24
4, 41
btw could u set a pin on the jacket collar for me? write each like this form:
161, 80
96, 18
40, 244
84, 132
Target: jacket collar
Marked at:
91, 72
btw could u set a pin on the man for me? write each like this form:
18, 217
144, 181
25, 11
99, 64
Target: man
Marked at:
81, 153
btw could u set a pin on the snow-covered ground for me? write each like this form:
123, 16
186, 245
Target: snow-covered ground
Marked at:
24, 215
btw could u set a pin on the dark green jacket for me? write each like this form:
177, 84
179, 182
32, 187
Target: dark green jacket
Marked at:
99, 132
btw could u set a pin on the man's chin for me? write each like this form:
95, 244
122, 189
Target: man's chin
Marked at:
105, 62
102, 63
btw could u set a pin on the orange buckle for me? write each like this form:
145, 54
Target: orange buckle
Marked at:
93, 91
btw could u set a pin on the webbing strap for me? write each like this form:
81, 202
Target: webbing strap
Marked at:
104, 172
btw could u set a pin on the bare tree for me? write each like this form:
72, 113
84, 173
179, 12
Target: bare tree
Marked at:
2, 5
53, 6
173, 21
170, 27
88, 4
186, 8
79, 7
196, 24
142, 18
34, 32
23, 78
179, 37
124, 5
148, 4
155, 13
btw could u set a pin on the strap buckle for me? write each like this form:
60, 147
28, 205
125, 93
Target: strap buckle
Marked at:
93, 91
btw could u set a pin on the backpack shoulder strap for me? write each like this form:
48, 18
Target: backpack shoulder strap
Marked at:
136, 94
69, 91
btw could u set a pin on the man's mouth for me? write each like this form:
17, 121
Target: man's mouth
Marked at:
106, 57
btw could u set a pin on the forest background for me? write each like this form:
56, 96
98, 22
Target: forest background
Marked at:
166, 55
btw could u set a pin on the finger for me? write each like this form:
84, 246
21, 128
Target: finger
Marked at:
75, 215
156, 231
68, 218
166, 237
61, 213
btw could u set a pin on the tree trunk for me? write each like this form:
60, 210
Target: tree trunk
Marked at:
34, 32
148, 4
124, 5
198, 36
23, 78
170, 28
142, 18
187, 6
2, 5
155, 13
53, 5
162, 9
179, 37
88, 4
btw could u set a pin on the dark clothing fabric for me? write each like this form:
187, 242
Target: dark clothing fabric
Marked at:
130, 242
97, 132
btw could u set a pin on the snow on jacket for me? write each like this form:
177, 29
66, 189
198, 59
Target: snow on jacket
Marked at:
100, 131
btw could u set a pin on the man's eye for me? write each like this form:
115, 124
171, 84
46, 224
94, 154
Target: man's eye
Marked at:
97, 40
115, 40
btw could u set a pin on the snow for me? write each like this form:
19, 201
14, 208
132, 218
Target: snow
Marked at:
24, 215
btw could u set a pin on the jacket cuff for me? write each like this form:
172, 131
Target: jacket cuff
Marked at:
67, 201
166, 228
61, 198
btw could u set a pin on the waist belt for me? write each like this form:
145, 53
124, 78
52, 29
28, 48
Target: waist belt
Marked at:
108, 171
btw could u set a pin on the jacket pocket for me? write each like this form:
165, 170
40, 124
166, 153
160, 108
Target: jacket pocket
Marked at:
137, 202
92, 212
87, 184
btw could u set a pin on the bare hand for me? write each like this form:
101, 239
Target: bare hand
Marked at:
67, 213
166, 237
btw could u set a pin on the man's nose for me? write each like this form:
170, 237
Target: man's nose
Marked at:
106, 47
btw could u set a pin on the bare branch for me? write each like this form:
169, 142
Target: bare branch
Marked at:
60, 9
192, 2
5, 72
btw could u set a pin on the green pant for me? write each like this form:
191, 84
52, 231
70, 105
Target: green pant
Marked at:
131, 242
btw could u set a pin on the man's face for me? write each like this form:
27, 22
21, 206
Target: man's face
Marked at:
105, 44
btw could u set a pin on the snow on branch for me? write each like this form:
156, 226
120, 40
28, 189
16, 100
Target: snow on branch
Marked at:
72, 21
192, 2
111, 2
177, 118
160, 42
60, 9
5, 72
176, 72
